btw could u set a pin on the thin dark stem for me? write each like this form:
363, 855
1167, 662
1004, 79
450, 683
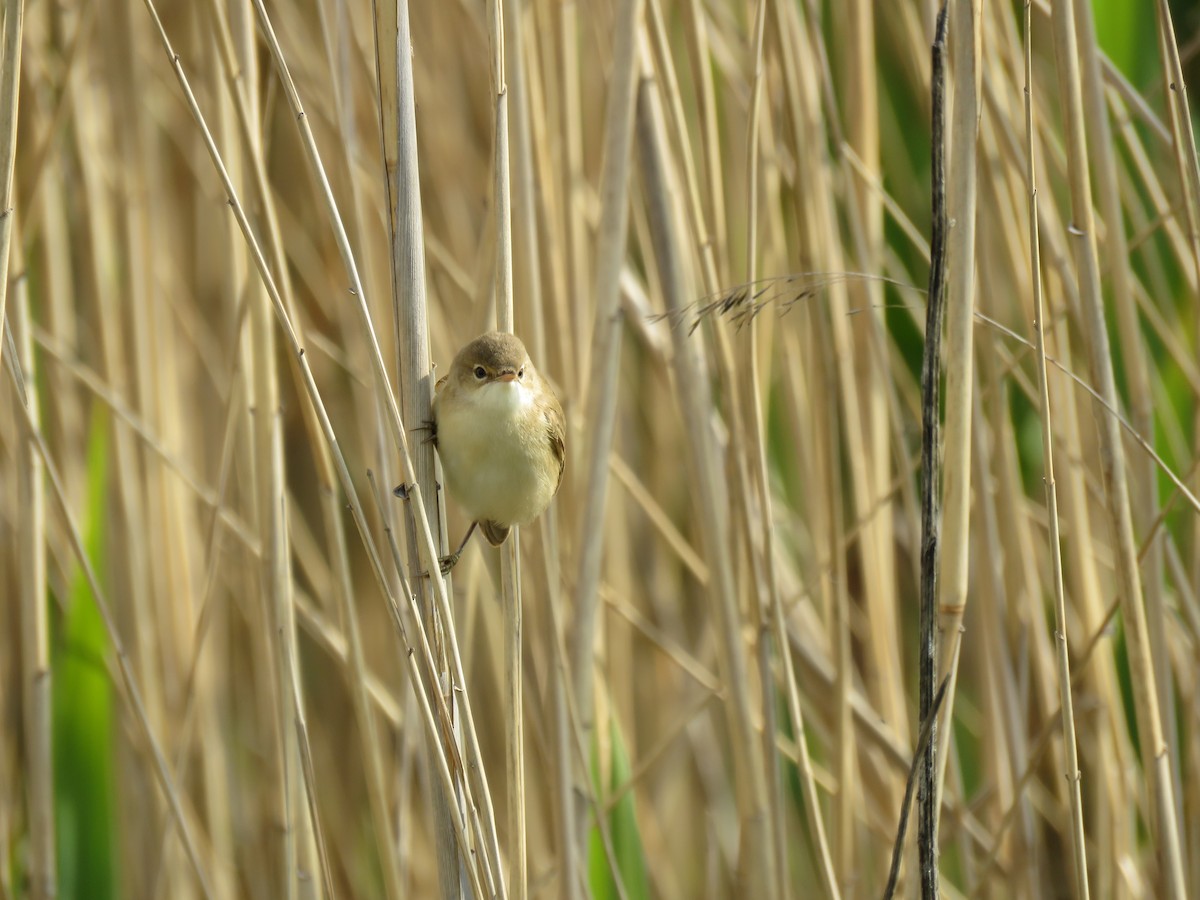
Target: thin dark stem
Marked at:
923, 744
927, 802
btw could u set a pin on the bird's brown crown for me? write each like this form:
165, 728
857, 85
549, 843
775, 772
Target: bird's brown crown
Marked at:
495, 351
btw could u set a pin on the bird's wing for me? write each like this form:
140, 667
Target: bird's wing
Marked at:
556, 425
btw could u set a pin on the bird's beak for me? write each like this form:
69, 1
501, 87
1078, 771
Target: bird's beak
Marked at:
507, 376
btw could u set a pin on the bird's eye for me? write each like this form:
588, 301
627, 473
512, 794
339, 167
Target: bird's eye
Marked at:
521, 372
480, 372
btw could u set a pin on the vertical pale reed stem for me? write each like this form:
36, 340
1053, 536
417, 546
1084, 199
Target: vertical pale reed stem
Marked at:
773, 616
1070, 750
964, 40
1106, 797
268, 449
756, 872
524, 204
240, 66
601, 386
1113, 469
1133, 343
1184, 144
573, 189
10, 82
862, 134
125, 667
416, 394
35, 631
762, 545
861, 166
510, 563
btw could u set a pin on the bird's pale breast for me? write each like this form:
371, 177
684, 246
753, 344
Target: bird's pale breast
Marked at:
496, 454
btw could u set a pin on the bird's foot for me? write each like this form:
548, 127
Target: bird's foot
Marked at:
446, 563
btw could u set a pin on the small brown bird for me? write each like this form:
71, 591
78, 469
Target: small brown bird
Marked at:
500, 433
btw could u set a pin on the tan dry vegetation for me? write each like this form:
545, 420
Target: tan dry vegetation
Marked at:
733, 557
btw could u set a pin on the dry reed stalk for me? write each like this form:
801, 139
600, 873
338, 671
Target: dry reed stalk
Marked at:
428, 553
406, 268
600, 389
856, 32
395, 75
467, 828
203, 672
1013, 592
10, 83
362, 689
522, 81
580, 755
109, 231
304, 846
275, 583
1070, 749
803, 80
35, 632
1156, 198
743, 453
205, 703
128, 677
1001, 702
276, 578
66, 426
710, 144
1155, 755
1112, 753
772, 616
931, 517
1184, 145
757, 532
1132, 343
502, 193
756, 872
572, 319
1183, 139
964, 40
510, 558
510, 584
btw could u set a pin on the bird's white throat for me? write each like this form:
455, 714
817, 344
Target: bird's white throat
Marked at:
501, 398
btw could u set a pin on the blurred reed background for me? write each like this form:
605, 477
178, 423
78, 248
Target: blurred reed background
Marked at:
720, 609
